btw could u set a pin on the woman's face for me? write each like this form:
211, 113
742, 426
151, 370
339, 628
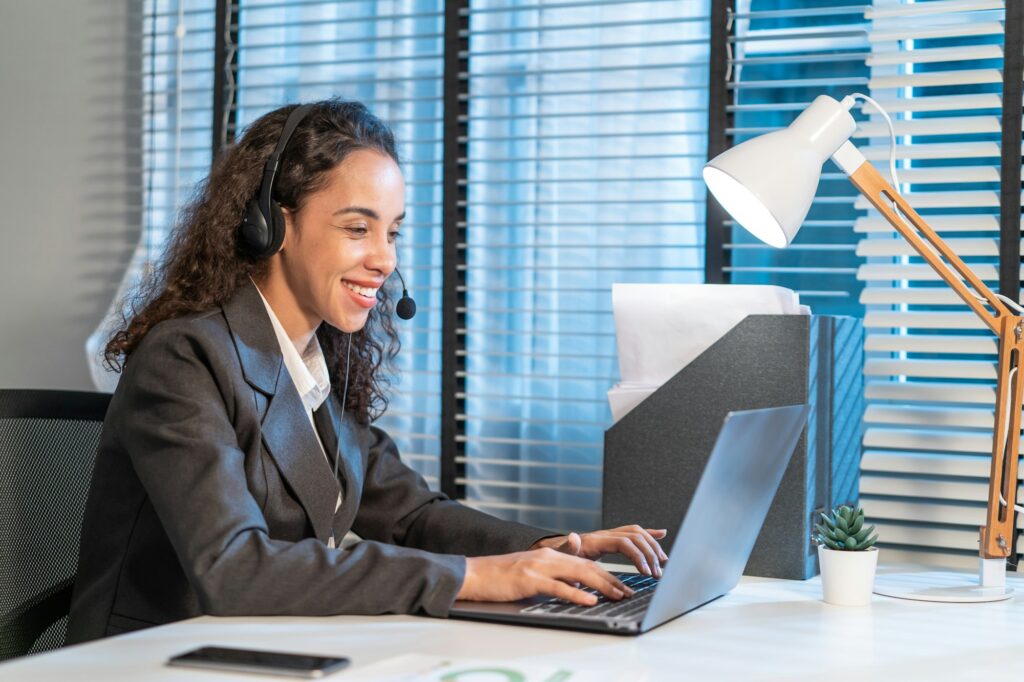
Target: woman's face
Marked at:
339, 246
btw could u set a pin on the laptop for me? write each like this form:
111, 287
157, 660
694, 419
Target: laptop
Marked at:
711, 548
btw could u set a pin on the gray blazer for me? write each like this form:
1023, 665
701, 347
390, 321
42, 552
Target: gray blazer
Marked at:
211, 495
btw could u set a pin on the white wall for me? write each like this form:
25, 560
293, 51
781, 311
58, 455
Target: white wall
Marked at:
70, 179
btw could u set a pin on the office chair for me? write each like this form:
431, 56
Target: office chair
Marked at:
48, 443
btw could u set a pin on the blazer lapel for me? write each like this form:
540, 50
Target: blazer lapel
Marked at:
254, 339
291, 441
287, 434
350, 469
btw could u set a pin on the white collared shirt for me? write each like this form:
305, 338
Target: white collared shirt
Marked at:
308, 371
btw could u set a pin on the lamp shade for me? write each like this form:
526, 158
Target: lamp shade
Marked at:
767, 183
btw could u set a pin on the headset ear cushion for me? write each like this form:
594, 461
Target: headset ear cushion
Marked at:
254, 234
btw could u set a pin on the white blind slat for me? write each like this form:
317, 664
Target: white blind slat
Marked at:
951, 223
930, 392
953, 125
945, 440
932, 295
899, 11
902, 462
925, 273
935, 369
940, 103
938, 54
924, 488
941, 417
930, 343
923, 320
937, 79
956, 30
900, 247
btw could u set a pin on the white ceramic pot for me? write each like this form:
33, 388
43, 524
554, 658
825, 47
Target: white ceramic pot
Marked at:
847, 578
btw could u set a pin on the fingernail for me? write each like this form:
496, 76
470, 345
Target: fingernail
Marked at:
617, 593
647, 570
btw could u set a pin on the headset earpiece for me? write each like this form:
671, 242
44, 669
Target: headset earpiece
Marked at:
254, 233
262, 230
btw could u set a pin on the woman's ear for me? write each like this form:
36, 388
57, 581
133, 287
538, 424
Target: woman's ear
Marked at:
289, 227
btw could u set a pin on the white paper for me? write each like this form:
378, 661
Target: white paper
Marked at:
624, 397
661, 328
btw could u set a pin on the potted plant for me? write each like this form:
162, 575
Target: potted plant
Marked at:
847, 556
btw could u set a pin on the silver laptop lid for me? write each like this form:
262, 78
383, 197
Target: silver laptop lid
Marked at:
728, 508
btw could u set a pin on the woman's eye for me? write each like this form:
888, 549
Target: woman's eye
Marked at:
357, 230
392, 236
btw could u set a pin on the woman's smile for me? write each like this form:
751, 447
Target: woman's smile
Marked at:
362, 293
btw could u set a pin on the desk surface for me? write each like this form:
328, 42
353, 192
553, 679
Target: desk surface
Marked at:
762, 630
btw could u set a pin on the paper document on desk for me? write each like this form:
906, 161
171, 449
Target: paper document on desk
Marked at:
430, 668
661, 328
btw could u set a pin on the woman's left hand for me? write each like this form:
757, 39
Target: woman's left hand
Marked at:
639, 544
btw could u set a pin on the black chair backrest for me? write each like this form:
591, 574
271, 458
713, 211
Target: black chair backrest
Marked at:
48, 443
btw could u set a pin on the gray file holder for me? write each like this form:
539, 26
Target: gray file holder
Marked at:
654, 456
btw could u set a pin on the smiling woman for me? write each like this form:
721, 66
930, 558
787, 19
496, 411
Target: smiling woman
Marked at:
238, 445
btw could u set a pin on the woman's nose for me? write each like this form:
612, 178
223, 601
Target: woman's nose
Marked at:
382, 256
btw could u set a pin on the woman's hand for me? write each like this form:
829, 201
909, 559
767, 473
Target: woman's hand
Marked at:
639, 544
510, 577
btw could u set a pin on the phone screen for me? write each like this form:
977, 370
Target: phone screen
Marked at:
303, 665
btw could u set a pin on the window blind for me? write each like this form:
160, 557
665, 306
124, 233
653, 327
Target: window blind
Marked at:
178, 121
177, 88
784, 54
584, 130
930, 369
587, 128
387, 54
937, 66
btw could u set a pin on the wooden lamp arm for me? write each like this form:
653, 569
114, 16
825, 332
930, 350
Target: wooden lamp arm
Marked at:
929, 245
997, 534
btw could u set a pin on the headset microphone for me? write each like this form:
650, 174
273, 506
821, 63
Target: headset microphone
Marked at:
406, 307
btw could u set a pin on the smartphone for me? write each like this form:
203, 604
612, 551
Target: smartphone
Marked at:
266, 662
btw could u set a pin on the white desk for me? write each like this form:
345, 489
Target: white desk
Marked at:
762, 630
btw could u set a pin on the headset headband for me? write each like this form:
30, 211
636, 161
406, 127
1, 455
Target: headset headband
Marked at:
274, 161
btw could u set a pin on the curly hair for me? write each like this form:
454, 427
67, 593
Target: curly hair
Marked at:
203, 265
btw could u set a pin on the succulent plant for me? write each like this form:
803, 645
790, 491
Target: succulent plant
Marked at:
844, 530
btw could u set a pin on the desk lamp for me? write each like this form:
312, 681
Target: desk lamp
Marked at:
767, 184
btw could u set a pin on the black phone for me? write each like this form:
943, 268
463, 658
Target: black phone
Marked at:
256, 661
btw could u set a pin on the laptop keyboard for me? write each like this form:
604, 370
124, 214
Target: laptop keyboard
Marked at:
628, 608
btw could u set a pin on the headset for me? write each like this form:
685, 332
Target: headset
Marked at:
262, 230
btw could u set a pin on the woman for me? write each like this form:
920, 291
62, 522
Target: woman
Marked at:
216, 488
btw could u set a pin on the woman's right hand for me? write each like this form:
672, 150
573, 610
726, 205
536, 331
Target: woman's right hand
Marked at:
510, 577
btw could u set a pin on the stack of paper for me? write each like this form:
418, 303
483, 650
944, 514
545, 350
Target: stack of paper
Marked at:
661, 328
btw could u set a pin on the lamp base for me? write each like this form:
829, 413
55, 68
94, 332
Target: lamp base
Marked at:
939, 586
